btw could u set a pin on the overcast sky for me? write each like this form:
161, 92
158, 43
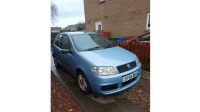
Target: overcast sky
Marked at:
69, 12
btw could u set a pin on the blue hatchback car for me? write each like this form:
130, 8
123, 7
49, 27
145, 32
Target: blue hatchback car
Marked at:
98, 65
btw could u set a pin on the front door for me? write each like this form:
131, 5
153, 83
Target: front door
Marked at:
67, 59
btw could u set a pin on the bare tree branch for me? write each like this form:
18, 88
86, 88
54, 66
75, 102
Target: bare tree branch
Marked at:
54, 12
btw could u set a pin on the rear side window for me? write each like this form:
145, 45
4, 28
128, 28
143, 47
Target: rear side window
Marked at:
65, 42
145, 37
57, 40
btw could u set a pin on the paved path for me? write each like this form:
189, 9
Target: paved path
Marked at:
93, 102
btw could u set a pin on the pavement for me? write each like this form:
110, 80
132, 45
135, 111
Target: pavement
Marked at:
95, 102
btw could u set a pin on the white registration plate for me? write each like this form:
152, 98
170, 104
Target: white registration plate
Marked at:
128, 77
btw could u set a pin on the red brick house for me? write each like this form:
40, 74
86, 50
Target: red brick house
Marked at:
120, 17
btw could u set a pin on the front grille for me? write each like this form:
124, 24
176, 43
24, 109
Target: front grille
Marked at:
109, 87
126, 67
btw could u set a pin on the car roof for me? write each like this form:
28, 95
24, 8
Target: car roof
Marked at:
77, 33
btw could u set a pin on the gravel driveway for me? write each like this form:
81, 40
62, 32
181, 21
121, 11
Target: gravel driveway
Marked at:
61, 100
138, 96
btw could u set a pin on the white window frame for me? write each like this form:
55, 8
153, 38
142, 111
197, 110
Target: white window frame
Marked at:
101, 1
98, 23
148, 21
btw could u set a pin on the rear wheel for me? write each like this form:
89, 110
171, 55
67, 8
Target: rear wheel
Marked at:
83, 83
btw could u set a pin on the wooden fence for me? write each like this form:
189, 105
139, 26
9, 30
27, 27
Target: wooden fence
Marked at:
141, 50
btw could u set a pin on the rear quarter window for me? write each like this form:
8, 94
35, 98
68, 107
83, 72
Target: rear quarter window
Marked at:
57, 40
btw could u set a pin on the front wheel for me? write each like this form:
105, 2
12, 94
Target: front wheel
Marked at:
83, 83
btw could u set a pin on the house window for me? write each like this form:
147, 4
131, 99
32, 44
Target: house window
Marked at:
148, 21
101, 1
98, 25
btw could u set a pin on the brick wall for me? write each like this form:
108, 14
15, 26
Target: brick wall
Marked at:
120, 17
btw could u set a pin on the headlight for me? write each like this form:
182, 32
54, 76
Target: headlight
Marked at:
107, 70
137, 60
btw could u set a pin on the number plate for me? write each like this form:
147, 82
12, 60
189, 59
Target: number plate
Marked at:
128, 77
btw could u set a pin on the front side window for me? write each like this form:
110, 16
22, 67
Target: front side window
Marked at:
87, 42
65, 42
145, 37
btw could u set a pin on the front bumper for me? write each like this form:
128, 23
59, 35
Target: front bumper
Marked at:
113, 84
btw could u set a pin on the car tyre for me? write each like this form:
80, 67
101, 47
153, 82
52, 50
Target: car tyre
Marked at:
83, 83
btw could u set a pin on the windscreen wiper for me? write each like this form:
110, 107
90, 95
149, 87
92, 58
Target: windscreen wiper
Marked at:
93, 48
109, 45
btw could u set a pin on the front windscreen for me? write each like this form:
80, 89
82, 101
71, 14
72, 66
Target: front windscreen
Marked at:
88, 42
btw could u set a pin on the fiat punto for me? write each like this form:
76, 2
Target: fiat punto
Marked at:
98, 65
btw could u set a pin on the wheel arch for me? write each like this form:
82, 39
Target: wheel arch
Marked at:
79, 70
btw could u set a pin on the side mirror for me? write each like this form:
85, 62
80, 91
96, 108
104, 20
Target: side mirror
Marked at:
64, 51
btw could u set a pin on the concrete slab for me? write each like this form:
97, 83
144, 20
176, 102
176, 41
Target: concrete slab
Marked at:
101, 99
